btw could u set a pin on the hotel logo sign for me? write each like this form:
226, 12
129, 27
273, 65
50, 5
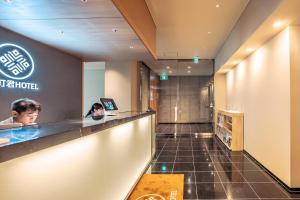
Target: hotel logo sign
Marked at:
16, 64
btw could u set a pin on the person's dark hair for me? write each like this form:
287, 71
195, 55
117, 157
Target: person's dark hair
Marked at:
94, 107
25, 104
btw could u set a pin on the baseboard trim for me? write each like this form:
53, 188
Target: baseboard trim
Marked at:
287, 188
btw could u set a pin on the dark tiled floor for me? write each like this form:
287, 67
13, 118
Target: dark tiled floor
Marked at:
183, 128
211, 171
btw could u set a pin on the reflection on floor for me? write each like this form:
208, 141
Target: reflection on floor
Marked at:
183, 128
211, 171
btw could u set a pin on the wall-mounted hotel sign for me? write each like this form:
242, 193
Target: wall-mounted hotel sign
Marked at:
16, 65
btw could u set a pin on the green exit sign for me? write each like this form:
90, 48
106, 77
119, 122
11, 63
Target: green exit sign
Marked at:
196, 59
163, 76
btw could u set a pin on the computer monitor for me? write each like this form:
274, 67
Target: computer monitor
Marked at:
109, 104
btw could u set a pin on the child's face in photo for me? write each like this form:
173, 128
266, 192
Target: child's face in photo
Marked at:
27, 117
98, 112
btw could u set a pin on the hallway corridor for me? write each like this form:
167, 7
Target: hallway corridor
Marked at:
211, 171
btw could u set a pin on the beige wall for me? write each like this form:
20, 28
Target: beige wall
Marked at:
119, 80
219, 93
93, 84
260, 87
295, 108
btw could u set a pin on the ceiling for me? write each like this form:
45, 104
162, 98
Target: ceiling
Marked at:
181, 67
186, 28
85, 29
81, 29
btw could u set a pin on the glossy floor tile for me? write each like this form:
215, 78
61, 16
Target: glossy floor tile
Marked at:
210, 170
239, 191
210, 191
231, 176
207, 177
269, 190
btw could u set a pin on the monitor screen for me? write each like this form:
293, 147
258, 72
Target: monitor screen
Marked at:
108, 104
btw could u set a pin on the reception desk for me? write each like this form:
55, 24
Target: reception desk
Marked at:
77, 159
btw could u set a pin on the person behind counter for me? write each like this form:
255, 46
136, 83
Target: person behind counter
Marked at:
23, 112
96, 110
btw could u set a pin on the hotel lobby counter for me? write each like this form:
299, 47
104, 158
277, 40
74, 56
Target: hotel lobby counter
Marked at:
77, 159
30, 139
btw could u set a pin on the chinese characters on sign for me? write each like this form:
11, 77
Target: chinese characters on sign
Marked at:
16, 64
17, 84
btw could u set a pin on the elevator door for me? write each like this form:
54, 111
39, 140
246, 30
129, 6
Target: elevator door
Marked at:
184, 99
204, 105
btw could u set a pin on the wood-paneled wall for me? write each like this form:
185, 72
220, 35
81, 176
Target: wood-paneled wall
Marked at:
138, 16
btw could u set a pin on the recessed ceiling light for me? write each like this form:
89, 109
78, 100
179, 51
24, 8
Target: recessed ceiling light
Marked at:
84, 1
217, 5
189, 71
131, 47
208, 32
189, 67
249, 50
236, 62
225, 71
8, 1
277, 24
168, 67
114, 30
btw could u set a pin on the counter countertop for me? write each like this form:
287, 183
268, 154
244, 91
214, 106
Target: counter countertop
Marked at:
29, 139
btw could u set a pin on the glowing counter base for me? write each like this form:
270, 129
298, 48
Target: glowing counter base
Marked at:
102, 165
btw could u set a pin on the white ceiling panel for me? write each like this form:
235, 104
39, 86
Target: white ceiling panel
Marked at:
182, 67
193, 27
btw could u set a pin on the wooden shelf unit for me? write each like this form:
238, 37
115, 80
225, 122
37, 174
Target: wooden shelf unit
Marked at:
230, 129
